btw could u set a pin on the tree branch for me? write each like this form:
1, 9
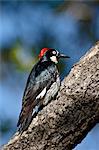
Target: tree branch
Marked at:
63, 123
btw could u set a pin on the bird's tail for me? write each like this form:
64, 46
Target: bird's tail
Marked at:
24, 122
26, 117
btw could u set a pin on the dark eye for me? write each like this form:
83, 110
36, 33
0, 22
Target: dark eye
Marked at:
54, 52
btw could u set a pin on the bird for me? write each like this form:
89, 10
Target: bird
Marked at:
42, 86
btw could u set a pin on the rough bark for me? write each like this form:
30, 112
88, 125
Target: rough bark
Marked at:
63, 123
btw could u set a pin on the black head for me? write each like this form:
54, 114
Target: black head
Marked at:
54, 55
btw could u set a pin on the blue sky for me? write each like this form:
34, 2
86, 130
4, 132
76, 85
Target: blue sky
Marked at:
28, 23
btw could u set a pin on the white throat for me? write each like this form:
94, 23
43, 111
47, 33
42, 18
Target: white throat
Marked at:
54, 59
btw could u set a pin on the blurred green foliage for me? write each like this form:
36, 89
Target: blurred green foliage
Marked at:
19, 54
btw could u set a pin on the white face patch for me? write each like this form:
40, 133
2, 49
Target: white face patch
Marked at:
54, 59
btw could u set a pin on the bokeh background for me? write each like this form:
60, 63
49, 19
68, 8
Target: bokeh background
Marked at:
27, 26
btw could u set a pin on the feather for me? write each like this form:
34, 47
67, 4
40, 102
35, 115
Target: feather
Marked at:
42, 75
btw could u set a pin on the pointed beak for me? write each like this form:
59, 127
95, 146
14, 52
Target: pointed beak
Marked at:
63, 56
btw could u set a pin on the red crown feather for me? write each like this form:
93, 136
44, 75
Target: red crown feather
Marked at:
43, 51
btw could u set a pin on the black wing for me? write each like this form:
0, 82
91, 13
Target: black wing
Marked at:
41, 76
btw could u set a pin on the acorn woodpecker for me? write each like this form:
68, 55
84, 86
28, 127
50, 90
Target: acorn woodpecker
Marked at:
42, 85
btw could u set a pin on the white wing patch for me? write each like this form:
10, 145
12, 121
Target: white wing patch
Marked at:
52, 91
42, 94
